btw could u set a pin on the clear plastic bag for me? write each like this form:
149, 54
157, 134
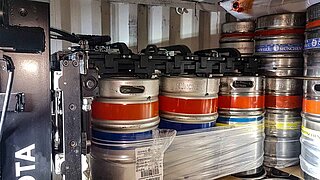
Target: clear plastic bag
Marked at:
214, 152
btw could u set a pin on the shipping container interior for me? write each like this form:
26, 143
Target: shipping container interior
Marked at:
242, 103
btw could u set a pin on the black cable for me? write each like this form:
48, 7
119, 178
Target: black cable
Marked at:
10, 69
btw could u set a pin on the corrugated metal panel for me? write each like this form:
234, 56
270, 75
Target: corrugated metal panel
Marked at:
121, 21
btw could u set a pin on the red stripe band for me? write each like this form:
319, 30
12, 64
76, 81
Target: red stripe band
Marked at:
274, 32
188, 106
241, 102
288, 102
111, 111
313, 24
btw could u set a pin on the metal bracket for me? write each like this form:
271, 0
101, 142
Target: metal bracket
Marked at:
16, 103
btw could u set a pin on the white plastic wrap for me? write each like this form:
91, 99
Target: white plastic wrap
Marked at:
214, 152
310, 152
251, 9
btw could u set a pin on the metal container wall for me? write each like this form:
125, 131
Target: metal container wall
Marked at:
238, 35
125, 112
241, 102
188, 102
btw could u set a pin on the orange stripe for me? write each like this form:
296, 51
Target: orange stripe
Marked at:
289, 102
110, 111
311, 106
313, 24
274, 32
241, 102
188, 106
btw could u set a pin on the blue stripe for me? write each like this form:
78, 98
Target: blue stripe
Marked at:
102, 135
239, 120
166, 124
313, 43
279, 48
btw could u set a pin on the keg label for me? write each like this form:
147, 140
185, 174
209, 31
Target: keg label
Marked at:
279, 48
282, 125
312, 134
312, 43
149, 163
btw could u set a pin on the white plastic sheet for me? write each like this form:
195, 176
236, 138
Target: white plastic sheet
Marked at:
214, 152
251, 9
310, 152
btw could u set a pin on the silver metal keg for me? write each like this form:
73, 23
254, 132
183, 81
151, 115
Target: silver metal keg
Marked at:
281, 65
238, 27
283, 124
311, 101
241, 96
283, 94
131, 103
238, 35
189, 99
123, 116
281, 152
112, 164
244, 45
281, 21
312, 64
310, 149
312, 42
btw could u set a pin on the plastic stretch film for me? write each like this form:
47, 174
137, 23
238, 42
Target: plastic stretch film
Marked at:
215, 152
310, 152
123, 160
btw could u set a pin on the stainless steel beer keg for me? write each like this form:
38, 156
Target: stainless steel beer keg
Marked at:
188, 102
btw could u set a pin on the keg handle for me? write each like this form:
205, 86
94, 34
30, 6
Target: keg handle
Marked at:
123, 48
151, 49
242, 84
127, 89
316, 88
218, 52
183, 49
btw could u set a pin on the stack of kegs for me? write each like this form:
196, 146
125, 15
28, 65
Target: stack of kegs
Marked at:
125, 112
241, 102
238, 35
279, 43
279, 46
282, 122
310, 138
188, 102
